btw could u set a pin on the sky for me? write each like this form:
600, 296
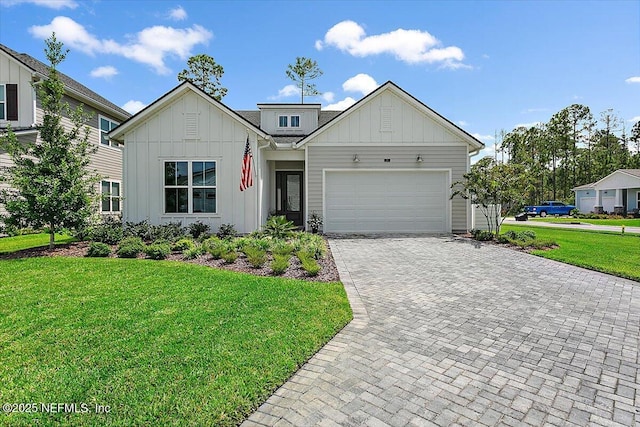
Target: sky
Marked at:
485, 65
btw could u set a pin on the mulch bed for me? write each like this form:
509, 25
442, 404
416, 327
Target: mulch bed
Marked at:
328, 271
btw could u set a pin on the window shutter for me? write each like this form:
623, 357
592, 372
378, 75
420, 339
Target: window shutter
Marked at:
12, 101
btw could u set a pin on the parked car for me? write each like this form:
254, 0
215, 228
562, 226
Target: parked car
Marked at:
550, 207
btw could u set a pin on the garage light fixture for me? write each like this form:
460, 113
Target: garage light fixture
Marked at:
419, 159
355, 158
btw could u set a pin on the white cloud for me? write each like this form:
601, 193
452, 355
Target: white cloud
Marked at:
286, 92
635, 79
133, 106
104, 72
362, 83
483, 138
410, 46
150, 46
341, 105
51, 4
534, 110
527, 125
634, 119
328, 96
462, 123
178, 14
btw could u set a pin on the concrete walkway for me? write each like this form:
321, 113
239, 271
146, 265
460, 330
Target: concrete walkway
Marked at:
447, 331
581, 226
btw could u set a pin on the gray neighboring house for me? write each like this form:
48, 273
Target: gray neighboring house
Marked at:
384, 165
21, 108
618, 192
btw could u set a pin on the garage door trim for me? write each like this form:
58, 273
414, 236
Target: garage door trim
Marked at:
447, 171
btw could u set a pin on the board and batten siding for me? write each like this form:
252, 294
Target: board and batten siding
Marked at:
388, 127
189, 128
12, 72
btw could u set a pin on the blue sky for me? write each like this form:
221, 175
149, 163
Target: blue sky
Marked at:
486, 66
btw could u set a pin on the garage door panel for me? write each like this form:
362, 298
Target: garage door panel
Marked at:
386, 201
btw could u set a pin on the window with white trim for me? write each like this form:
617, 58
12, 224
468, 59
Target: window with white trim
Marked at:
289, 121
110, 194
295, 121
283, 121
106, 126
3, 102
190, 187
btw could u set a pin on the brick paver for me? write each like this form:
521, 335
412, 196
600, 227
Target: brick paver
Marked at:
451, 332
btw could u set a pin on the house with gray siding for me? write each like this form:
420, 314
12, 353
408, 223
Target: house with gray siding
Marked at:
617, 193
384, 165
21, 109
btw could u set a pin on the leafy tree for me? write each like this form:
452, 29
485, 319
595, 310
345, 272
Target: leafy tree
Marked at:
497, 188
301, 72
204, 72
50, 184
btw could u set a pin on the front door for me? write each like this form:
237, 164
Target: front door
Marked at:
289, 196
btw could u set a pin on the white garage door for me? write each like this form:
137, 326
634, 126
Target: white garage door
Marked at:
386, 201
587, 204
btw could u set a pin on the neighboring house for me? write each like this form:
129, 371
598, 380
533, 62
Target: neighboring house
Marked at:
618, 192
20, 108
386, 164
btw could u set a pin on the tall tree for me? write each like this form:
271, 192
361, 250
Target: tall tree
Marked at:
203, 71
301, 72
51, 185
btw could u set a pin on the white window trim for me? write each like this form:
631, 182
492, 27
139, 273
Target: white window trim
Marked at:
100, 117
4, 103
286, 117
111, 182
189, 187
291, 121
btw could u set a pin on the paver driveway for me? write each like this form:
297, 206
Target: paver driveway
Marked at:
447, 331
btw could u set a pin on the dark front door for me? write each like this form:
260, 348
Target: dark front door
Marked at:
289, 196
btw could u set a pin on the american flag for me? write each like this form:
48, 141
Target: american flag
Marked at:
246, 179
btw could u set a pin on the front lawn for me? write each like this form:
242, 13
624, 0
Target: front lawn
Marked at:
28, 241
627, 222
158, 342
608, 252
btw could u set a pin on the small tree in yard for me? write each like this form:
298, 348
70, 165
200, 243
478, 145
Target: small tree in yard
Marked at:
496, 188
50, 184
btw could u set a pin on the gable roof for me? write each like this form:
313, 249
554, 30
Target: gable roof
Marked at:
74, 87
167, 98
472, 141
633, 173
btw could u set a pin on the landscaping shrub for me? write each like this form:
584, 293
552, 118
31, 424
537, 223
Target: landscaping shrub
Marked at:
314, 244
255, 256
194, 252
109, 230
158, 250
141, 229
229, 256
170, 231
198, 229
98, 249
183, 244
226, 231
280, 264
130, 247
281, 248
278, 227
482, 235
215, 246
310, 265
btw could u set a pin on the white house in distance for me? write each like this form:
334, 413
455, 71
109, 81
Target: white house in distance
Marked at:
386, 164
618, 192
21, 109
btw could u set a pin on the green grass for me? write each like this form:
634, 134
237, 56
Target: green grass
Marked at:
160, 343
608, 252
28, 241
628, 222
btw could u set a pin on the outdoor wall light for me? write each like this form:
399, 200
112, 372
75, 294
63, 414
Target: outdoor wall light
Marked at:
355, 158
419, 159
